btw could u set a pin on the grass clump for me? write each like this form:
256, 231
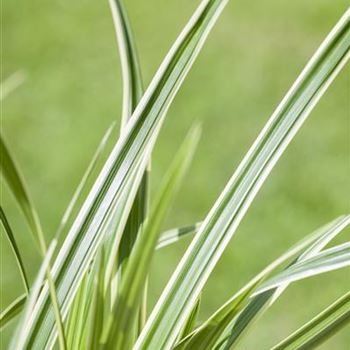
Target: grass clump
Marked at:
91, 291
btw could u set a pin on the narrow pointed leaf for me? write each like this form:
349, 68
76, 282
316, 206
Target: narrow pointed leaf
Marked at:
167, 238
12, 311
131, 71
9, 234
191, 321
132, 93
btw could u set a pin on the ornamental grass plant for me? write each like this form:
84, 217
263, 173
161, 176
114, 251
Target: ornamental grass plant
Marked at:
91, 289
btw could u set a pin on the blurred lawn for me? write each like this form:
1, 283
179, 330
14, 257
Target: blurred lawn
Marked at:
73, 92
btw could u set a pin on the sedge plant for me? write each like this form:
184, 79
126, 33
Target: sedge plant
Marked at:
91, 291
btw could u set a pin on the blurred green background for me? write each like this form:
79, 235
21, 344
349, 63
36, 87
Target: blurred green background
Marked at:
72, 93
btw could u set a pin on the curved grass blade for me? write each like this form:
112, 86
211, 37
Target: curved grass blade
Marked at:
118, 333
135, 143
173, 235
328, 260
206, 335
120, 217
16, 183
211, 330
132, 93
177, 300
9, 234
12, 311
320, 328
260, 303
131, 71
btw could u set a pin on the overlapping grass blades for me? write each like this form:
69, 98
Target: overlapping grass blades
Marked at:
220, 323
263, 301
118, 332
132, 93
222, 221
166, 239
101, 270
121, 174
